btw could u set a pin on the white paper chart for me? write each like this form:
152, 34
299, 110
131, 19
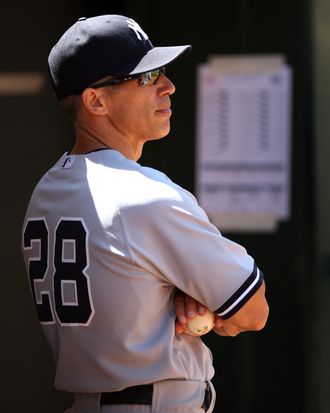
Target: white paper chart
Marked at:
243, 145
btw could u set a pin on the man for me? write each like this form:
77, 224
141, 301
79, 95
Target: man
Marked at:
115, 250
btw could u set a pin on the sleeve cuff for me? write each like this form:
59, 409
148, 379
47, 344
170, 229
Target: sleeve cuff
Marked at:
242, 295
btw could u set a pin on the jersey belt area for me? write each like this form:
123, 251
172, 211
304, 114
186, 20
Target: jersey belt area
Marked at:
142, 395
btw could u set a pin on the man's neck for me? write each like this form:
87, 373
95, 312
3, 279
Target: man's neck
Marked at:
88, 140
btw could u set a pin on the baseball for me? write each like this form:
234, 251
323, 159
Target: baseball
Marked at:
200, 324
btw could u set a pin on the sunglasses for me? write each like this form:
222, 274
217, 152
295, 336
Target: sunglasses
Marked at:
146, 79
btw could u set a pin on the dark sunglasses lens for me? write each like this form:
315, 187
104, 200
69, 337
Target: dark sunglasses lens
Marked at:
149, 78
158, 72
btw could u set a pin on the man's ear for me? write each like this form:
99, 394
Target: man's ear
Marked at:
93, 101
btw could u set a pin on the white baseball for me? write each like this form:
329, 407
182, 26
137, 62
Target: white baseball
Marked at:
200, 324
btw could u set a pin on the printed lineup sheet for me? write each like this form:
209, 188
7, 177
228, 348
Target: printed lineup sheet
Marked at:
243, 142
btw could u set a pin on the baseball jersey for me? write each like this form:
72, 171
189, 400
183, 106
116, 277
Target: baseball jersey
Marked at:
106, 243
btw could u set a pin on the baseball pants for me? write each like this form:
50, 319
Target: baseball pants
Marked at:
169, 396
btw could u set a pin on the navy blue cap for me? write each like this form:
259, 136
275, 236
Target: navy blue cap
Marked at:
96, 47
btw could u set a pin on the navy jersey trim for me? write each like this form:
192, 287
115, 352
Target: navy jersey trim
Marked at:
93, 150
242, 295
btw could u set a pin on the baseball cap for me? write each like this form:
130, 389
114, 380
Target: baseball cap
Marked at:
96, 47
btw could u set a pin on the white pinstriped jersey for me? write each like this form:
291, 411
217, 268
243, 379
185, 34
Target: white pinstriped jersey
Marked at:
105, 242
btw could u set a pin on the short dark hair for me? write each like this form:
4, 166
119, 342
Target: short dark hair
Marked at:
70, 105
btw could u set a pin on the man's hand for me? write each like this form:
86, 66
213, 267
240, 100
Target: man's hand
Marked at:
251, 317
187, 307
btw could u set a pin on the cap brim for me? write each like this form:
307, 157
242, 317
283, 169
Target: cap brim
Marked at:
159, 57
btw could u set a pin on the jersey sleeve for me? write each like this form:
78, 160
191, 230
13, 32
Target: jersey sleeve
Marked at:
173, 239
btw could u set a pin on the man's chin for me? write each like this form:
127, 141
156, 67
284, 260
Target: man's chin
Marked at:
161, 135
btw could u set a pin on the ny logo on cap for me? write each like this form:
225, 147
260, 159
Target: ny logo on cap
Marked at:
137, 29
